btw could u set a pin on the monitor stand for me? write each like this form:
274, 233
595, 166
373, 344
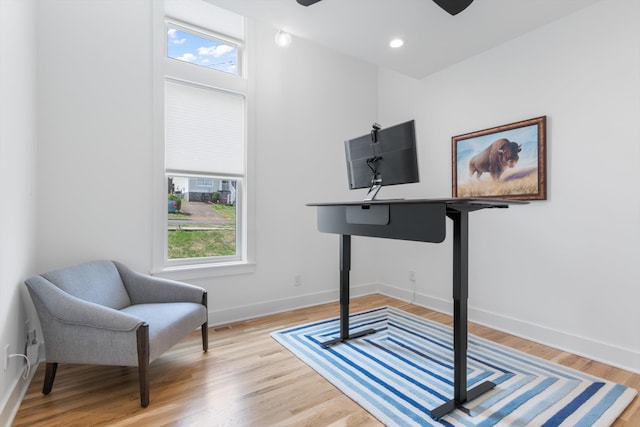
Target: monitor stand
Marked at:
376, 185
373, 191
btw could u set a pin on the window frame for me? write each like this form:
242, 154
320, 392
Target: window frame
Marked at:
165, 68
239, 45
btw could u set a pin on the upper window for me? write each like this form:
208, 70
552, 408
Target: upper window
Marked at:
202, 49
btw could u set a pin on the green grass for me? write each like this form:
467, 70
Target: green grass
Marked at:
225, 211
201, 243
177, 216
184, 242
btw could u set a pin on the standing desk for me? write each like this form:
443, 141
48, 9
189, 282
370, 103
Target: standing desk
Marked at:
421, 220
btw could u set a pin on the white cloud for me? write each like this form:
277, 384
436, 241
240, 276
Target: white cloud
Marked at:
189, 57
172, 32
215, 51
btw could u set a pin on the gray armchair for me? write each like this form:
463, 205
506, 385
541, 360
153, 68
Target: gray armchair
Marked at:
104, 313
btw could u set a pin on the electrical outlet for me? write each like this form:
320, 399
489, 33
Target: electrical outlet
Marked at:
412, 276
6, 356
33, 354
32, 347
297, 280
31, 337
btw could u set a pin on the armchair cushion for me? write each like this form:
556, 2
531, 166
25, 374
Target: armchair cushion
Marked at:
96, 281
168, 322
143, 289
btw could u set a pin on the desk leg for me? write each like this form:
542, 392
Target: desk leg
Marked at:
345, 284
345, 268
460, 318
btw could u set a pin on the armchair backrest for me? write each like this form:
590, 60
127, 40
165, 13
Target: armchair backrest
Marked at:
96, 281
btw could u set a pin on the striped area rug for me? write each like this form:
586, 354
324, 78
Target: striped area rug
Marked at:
406, 368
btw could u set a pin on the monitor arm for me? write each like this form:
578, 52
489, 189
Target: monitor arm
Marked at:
376, 179
376, 185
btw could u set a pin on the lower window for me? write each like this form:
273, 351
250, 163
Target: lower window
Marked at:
202, 221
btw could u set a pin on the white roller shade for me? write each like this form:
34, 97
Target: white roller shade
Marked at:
204, 130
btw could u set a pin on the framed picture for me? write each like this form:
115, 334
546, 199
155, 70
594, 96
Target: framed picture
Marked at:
505, 162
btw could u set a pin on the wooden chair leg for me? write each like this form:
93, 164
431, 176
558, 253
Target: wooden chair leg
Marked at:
205, 326
143, 363
49, 376
205, 336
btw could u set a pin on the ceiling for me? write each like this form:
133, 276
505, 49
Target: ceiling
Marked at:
434, 39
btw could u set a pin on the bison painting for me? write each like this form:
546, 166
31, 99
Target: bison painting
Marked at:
497, 157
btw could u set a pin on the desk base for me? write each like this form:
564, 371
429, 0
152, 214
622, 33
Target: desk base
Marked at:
451, 405
335, 341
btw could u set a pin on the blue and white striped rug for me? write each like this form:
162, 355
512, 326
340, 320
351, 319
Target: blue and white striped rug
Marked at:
406, 368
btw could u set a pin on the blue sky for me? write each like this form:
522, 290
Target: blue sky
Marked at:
202, 51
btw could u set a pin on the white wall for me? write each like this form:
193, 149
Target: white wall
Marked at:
95, 151
562, 271
95, 124
17, 180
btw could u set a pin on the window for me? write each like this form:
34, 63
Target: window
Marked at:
201, 49
204, 135
202, 138
203, 221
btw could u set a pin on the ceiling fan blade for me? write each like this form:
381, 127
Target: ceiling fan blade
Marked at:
307, 2
452, 6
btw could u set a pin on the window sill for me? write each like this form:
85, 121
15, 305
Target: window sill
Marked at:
203, 271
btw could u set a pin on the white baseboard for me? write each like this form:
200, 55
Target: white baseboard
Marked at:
602, 352
18, 389
582, 346
251, 311
244, 312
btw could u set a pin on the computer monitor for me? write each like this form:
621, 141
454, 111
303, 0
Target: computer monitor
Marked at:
385, 156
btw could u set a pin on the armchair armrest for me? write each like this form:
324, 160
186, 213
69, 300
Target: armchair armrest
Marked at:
68, 309
144, 289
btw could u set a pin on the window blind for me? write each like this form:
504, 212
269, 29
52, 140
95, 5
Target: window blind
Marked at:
204, 130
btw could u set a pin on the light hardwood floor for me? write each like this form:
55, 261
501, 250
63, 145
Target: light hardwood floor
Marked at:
246, 379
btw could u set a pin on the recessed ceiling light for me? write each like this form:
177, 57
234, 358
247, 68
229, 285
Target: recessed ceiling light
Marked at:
283, 38
396, 43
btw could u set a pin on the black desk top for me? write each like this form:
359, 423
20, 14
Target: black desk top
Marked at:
412, 219
495, 203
